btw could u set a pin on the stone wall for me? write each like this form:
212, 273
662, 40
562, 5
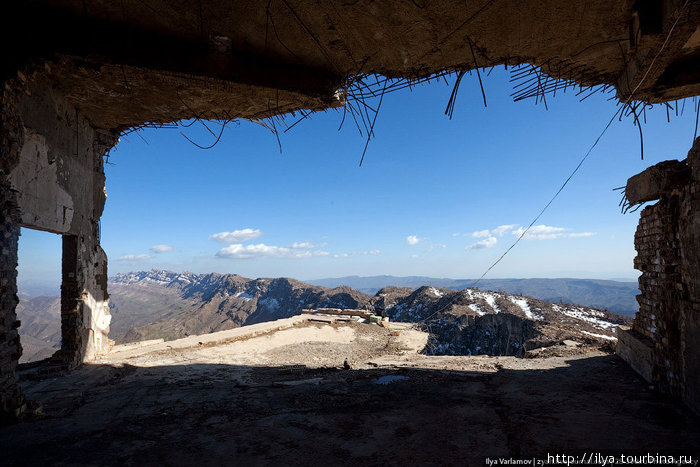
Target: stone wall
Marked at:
52, 179
12, 402
668, 254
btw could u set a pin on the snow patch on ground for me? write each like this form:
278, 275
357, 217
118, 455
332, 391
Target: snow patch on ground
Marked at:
244, 295
585, 314
157, 281
490, 299
522, 303
435, 292
602, 336
477, 309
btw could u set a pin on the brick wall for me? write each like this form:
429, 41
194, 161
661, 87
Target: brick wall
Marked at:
668, 246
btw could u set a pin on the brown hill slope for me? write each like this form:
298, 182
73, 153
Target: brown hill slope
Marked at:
216, 302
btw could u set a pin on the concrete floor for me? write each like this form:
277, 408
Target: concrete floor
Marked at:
250, 402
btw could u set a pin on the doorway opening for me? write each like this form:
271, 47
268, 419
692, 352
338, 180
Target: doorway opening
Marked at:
39, 292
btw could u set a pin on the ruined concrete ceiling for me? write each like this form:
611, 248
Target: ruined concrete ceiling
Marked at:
126, 62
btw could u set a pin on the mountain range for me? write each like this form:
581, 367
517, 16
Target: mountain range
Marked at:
163, 304
616, 296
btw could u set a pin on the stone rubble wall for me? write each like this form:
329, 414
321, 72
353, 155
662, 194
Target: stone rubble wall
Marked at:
668, 254
12, 401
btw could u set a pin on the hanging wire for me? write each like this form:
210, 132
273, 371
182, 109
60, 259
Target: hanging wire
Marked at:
618, 111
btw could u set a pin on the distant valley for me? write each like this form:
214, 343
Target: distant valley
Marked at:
163, 304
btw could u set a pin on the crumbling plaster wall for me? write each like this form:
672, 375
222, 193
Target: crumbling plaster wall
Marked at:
668, 254
52, 179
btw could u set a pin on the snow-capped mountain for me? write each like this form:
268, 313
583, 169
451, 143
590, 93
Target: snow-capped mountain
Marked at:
473, 321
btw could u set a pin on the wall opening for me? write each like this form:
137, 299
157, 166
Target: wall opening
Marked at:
39, 291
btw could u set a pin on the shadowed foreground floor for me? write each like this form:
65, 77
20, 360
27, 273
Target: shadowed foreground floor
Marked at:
385, 410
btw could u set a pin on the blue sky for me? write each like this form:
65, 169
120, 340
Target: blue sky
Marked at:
428, 200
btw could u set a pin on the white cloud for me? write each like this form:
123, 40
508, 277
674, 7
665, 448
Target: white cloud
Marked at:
133, 257
236, 236
485, 243
412, 240
497, 232
414, 256
260, 250
502, 229
540, 232
307, 245
356, 253
481, 233
548, 232
536, 232
434, 246
161, 249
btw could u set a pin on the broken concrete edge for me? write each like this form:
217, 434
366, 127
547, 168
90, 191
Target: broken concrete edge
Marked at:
134, 345
657, 180
338, 311
352, 40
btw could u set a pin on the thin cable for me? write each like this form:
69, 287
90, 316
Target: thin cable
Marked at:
588, 153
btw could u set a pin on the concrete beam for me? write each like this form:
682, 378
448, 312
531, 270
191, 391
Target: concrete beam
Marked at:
663, 58
96, 41
657, 180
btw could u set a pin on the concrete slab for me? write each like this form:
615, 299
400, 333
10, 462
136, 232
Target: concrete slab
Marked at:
636, 351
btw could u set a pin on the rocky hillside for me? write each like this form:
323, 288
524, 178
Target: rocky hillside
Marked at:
473, 321
216, 302
40, 332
